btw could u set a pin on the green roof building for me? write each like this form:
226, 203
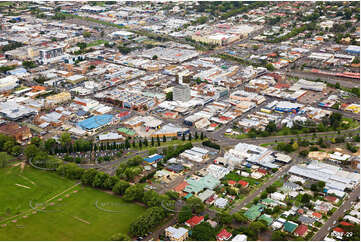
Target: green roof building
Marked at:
196, 186
254, 212
290, 226
267, 218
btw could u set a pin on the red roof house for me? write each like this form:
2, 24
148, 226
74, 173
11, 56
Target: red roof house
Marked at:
339, 230
232, 183
224, 235
194, 221
344, 223
263, 171
301, 230
181, 186
243, 183
317, 215
331, 199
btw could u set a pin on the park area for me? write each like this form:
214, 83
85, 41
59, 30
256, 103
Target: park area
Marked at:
40, 205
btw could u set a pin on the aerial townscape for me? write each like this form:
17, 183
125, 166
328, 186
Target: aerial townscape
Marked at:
180, 120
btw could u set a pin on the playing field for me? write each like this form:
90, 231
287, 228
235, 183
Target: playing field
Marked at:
45, 206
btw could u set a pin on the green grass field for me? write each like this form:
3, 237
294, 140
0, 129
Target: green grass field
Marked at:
69, 216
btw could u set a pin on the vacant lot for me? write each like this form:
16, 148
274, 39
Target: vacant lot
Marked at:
48, 207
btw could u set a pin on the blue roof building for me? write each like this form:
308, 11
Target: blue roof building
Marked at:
95, 122
153, 159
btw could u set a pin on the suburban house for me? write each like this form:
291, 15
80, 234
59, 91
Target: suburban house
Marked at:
194, 221
224, 235
176, 234
301, 230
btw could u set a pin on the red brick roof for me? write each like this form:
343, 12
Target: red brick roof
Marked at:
194, 221
224, 235
260, 170
181, 186
338, 229
344, 223
317, 215
243, 183
301, 230
230, 182
331, 198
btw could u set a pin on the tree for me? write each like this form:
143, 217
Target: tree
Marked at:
305, 198
120, 187
185, 214
190, 136
152, 142
158, 141
183, 137
202, 136
29, 64
169, 96
145, 142
30, 151
270, 67
203, 232
133, 193
65, 140
50, 145
140, 144
16, 150
99, 180
164, 139
239, 217
196, 204
196, 135
277, 236
224, 218
120, 237
35, 141
110, 182
127, 144
271, 127
3, 160
155, 57
88, 176
86, 34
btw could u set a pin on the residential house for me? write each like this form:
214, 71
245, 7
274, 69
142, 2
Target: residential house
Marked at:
290, 226
195, 220
301, 230
176, 234
224, 235
306, 220
221, 203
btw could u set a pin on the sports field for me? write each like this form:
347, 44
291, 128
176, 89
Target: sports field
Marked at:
45, 206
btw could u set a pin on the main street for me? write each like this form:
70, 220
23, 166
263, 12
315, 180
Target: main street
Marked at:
339, 213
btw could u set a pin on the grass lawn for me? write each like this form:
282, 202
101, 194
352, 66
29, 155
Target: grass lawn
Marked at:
97, 42
75, 217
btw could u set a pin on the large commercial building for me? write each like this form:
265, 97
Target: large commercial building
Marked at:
181, 93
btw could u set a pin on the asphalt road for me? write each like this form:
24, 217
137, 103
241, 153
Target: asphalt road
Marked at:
340, 212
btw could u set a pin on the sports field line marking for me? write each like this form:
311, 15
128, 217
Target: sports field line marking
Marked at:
19, 185
34, 209
63, 192
81, 220
24, 177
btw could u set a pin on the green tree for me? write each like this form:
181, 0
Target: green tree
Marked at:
30, 151
88, 177
99, 180
196, 204
169, 96
86, 34
190, 136
224, 218
164, 139
152, 142
203, 232
133, 193
185, 214
65, 141
270, 67
239, 217
35, 141
120, 187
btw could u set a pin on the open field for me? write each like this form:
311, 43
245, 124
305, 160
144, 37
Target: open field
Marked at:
55, 208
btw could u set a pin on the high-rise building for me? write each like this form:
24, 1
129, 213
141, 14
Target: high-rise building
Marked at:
181, 93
